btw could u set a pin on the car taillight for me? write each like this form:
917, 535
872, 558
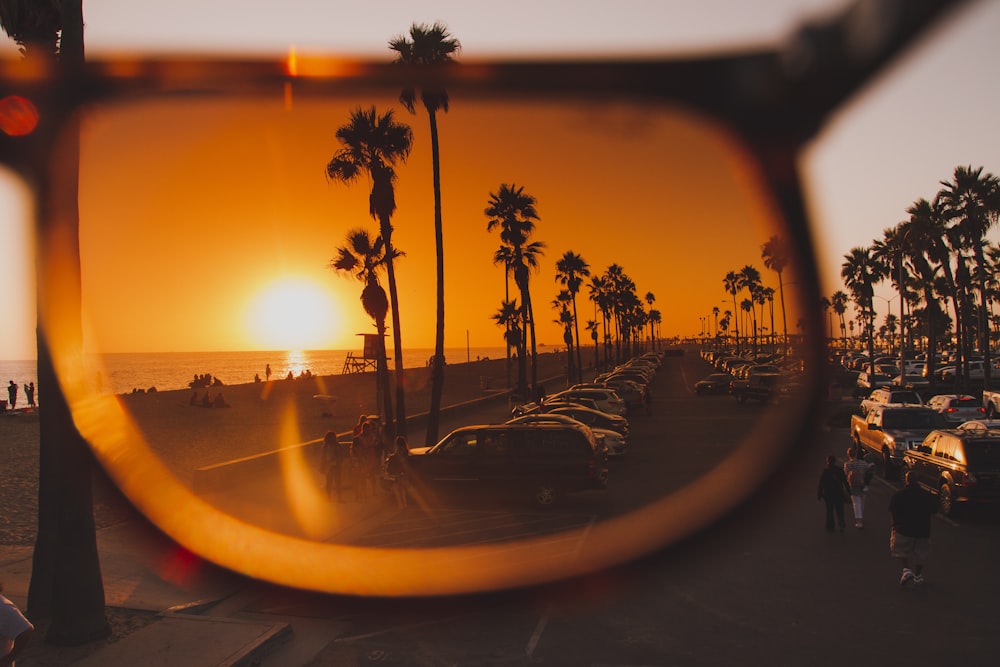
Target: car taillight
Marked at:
951, 409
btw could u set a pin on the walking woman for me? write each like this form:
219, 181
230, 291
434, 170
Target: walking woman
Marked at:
834, 490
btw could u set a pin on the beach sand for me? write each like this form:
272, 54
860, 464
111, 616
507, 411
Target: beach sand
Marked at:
189, 437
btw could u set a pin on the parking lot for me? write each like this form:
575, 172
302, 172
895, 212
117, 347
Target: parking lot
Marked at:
765, 585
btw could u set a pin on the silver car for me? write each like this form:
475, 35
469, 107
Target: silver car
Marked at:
957, 408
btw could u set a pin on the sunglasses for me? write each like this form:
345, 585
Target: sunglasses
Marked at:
170, 194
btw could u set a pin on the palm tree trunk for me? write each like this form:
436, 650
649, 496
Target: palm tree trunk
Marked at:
66, 584
437, 370
534, 346
382, 375
579, 357
397, 339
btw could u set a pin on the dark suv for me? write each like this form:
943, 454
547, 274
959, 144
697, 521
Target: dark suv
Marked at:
962, 466
540, 461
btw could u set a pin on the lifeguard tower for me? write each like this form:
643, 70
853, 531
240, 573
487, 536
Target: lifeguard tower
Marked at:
368, 361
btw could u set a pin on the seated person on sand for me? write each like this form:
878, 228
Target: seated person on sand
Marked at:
220, 401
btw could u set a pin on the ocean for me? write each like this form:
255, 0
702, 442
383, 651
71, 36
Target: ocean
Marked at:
124, 372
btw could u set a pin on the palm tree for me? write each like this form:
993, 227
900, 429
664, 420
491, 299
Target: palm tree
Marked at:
373, 144
732, 285
650, 298
570, 271
749, 279
598, 289
505, 255
715, 315
860, 273
562, 304
509, 316
363, 258
839, 303
431, 46
775, 254
513, 211
66, 584
972, 198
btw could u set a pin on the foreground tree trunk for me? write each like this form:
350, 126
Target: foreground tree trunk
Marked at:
66, 584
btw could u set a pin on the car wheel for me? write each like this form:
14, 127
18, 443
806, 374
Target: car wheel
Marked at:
946, 500
544, 494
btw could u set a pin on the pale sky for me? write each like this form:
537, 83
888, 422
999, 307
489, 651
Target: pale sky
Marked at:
892, 145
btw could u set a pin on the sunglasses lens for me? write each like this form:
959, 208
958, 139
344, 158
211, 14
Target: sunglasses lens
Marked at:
210, 234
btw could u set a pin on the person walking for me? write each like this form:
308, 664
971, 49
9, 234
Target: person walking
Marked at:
859, 475
910, 540
12, 394
834, 491
15, 630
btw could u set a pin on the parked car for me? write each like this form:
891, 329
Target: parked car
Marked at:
957, 408
961, 466
887, 396
607, 400
867, 381
540, 461
979, 424
615, 443
716, 383
594, 418
976, 372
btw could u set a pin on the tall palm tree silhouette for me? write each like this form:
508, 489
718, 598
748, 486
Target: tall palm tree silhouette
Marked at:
66, 584
972, 198
860, 273
731, 281
373, 144
363, 257
571, 269
431, 46
505, 256
512, 210
775, 254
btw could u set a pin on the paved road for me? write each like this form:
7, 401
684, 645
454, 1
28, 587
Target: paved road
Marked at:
767, 585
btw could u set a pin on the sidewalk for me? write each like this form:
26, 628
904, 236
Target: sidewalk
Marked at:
200, 607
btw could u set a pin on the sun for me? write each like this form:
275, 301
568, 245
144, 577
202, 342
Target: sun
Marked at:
294, 314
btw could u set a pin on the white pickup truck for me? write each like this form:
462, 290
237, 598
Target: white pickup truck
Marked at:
889, 431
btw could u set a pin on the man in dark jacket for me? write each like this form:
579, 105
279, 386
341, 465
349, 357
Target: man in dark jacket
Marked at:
833, 489
910, 541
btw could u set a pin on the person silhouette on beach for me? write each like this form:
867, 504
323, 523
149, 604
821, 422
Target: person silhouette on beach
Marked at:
12, 394
267, 372
29, 393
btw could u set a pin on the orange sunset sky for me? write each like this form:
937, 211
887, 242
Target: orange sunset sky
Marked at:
210, 226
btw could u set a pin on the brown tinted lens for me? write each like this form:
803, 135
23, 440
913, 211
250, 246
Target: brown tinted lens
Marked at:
209, 231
